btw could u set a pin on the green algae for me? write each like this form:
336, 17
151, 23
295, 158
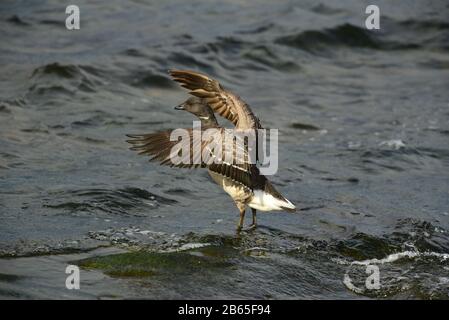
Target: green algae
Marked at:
147, 264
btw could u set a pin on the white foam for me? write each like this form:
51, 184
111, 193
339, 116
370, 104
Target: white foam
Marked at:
396, 256
388, 259
348, 283
395, 144
187, 246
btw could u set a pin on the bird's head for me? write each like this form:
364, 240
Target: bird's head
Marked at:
197, 107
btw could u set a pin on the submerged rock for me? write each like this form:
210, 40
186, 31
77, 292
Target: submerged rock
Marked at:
144, 264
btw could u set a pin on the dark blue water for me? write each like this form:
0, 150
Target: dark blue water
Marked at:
364, 149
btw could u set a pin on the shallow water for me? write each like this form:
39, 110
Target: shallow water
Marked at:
364, 150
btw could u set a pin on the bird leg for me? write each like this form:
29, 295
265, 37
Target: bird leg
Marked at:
241, 207
254, 224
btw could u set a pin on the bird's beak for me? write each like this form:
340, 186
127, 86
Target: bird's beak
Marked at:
180, 107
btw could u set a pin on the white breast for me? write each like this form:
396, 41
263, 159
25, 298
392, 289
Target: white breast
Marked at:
235, 190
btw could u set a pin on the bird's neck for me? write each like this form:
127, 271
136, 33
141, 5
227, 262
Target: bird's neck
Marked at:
208, 121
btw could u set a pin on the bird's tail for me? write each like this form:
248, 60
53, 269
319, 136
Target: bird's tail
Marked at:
275, 200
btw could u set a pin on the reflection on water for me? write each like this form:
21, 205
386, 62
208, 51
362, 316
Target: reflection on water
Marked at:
363, 118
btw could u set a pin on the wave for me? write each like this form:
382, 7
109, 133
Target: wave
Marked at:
127, 201
395, 155
345, 35
425, 24
148, 78
15, 19
67, 71
396, 257
68, 79
411, 279
408, 267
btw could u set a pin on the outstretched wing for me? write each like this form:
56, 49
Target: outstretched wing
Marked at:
221, 101
161, 148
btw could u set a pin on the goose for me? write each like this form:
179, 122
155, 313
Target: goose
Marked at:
242, 180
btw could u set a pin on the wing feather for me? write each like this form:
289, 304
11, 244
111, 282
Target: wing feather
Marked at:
200, 85
159, 147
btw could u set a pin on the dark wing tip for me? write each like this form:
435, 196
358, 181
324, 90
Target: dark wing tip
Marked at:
134, 136
289, 209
